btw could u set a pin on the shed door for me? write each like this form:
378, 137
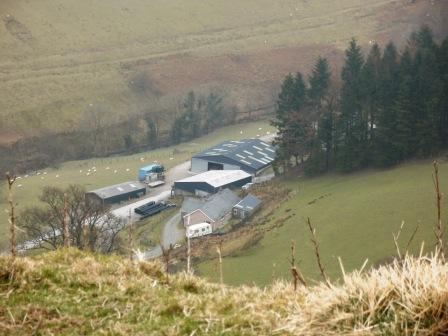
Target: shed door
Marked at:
215, 166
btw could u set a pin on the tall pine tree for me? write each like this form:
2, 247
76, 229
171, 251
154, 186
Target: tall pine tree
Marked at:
371, 94
429, 90
292, 127
351, 127
322, 104
442, 61
385, 153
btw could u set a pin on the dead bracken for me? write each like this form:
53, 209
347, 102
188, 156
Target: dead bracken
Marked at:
69, 291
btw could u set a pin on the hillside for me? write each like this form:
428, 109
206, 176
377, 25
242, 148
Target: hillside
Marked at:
76, 293
354, 216
116, 169
57, 59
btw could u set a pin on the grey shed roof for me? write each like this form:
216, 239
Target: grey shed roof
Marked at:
118, 189
217, 205
249, 203
191, 204
253, 153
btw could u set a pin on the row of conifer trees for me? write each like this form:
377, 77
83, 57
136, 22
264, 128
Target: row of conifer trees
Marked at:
387, 106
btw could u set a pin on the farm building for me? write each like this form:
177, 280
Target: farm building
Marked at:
215, 210
250, 155
211, 182
247, 207
117, 193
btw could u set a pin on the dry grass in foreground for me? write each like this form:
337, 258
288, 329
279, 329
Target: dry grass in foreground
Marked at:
72, 292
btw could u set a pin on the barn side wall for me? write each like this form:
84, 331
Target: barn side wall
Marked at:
199, 165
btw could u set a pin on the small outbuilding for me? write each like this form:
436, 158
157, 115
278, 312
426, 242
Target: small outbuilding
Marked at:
211, 182
117, 193
247, 207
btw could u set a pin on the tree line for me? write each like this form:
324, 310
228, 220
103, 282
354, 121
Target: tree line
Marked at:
201, 115
99, 136
387, 107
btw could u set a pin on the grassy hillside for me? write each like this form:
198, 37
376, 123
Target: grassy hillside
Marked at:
73, 293
57, 58
354, 216
118, 169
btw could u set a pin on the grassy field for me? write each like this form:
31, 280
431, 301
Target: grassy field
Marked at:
56, 59
70, 292
354, 216
118, 169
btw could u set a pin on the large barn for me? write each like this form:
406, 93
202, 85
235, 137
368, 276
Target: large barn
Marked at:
117, 193
211, 182
250, 155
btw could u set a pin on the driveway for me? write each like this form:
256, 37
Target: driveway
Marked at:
170, 236
172, 233
158, 194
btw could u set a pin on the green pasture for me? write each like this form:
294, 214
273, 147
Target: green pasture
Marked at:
354, 217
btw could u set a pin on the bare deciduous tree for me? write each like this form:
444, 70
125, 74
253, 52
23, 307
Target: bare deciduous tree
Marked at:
166, 255
188, 254
219, 250
90, 226
130, 236
296, 274
65, 230
317, 252
439, 229
11, 214
96, 119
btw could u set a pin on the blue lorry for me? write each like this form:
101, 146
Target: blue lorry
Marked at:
156, 170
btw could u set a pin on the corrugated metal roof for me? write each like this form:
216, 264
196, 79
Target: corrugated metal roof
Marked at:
220, 204
248, 203
190, 204
217, 178
215, 206
118, 189
254, 153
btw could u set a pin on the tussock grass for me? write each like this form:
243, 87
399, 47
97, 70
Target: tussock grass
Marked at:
72, 292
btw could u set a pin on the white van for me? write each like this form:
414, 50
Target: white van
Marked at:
198, 230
